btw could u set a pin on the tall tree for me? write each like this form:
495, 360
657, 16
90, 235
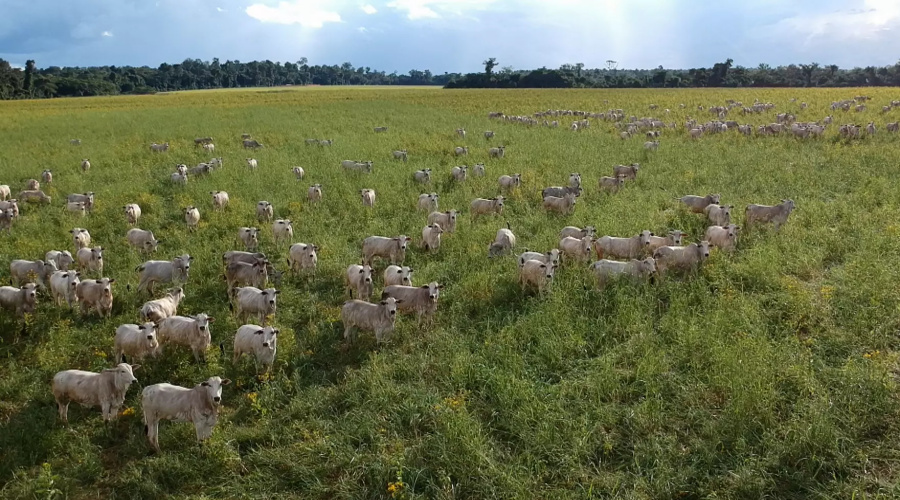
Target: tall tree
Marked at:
28, 82
489, 66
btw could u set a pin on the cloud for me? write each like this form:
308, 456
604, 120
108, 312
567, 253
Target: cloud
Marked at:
220, 9
362, 29
368, 9
434, 9
306, 13
106, 33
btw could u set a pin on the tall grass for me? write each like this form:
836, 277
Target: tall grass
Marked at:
772, 373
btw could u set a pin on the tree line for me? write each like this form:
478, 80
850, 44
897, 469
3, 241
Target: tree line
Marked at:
722, 74
54, 81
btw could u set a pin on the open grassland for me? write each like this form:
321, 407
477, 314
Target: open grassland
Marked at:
770, 374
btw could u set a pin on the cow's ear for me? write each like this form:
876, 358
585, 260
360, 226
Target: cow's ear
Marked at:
277, 292
141, 327
226, 381
211, 320
204, 384
112, 281
265, 292
440, 287
259, 332
135, 367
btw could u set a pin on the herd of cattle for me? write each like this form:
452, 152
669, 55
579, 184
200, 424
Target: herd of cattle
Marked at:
247, 272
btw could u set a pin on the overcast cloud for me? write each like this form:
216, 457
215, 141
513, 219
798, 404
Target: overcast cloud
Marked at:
452, 35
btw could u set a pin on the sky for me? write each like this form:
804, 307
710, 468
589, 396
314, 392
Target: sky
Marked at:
452, 35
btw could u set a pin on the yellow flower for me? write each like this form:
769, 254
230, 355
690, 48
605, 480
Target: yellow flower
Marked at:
127, 412
395, 488
252, 397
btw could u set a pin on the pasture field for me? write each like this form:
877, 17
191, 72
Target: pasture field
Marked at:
772, 373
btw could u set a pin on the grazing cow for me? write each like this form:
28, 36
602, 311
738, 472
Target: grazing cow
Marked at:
142, 240
96, 295
565, 205
132, 213
431, 237
136, 341
719, 215
461, 150
86, 198
560, 191
62, 287
105, 389
359, 279
428, 201
298, 172
421, 300
21, 300
697, 204
62, 258
509, 182
251, 300
368, 197
604, 270
423, 176
314, 193
160, 309
777, 214
537, 274
612, 184
447, 220
249, 236
159, 148
380, 317
397, 275
90, 260
257, 341
192, 217
689, 257
723, 237
458, 174
163, 272
629, 172
392, 249
504, 241
482, 206
302, 256
282, 231
497, 152
264, 211
198, 405
622, 248
187, 331
219, 199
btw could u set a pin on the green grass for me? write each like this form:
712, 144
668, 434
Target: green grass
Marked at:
772, 373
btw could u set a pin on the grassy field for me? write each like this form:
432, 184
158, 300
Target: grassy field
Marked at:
771, 374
